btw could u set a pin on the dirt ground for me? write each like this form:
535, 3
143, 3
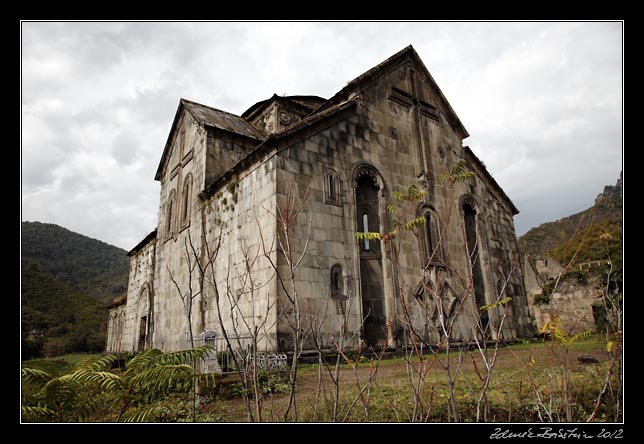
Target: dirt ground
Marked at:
522, 374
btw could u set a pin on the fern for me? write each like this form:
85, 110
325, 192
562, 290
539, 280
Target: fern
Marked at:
142, 416
160, 380
39, 411
95, 364
104, 380
72, 397
36, 376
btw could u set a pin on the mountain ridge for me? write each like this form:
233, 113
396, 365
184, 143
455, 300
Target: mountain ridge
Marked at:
68, 279
81, 261
542, 239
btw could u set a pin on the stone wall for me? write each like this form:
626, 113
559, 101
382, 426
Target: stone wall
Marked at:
115, 330
572, 301
396, 131
380, 135
573, 304
124, 335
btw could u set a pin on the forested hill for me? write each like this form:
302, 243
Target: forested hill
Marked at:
554, 237
67, 281
80, 261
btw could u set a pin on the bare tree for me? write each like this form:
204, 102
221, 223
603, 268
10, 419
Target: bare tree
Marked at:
191, 293
612, 305
489, 357
430, 292
286, 218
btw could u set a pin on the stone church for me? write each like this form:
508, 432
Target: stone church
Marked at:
217, 259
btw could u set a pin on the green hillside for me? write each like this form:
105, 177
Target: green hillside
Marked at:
67, 281
85, 263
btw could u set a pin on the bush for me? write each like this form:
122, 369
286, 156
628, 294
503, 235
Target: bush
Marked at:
31, 348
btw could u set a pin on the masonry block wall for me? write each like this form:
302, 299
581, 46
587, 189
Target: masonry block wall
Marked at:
217, 262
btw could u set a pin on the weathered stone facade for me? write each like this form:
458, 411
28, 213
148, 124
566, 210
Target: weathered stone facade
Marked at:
225, 177
571, 301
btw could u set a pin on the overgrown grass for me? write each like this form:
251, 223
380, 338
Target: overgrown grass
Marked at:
524, 374
60, 364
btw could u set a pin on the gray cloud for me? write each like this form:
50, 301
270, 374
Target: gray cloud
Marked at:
542, 102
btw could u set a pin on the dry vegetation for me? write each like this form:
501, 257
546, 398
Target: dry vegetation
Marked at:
520, 371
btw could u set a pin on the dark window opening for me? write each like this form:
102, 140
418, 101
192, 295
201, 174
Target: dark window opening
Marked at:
143, 333
469, 215
169, 218
185, 209
337, 284
332, 187
429, 237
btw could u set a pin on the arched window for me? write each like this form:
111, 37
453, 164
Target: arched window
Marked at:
432, 250
169, 217
332, 187
337, 281
470, 221
186, 199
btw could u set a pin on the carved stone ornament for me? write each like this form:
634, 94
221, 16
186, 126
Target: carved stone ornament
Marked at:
285, 118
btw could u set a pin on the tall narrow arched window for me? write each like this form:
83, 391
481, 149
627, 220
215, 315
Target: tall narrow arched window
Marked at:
472, 244
431, 248
186, 199
169, 217
332, 187
429, 238
337, 281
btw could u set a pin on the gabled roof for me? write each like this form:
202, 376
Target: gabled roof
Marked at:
207, 116
273, 140
306, 103
367, 78
221, 119
118, 301
146, 240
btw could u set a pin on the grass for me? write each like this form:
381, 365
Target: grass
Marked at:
524, 373
58, 365
522, 370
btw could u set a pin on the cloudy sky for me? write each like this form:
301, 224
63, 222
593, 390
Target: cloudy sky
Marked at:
542, 103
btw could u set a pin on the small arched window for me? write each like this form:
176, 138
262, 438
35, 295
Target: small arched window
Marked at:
337, 281
332, 187
186, 199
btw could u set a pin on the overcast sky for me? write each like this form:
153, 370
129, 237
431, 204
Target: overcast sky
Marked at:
542, 103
